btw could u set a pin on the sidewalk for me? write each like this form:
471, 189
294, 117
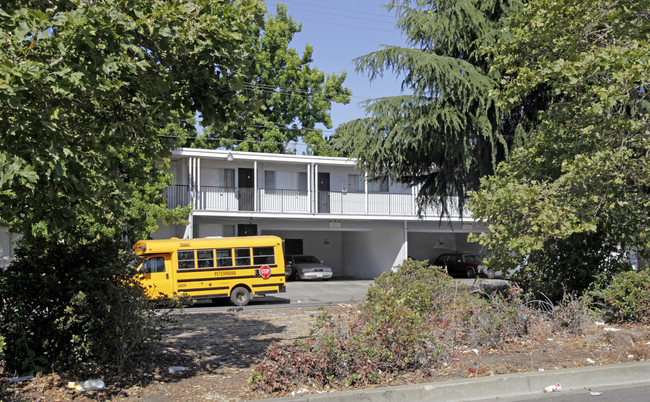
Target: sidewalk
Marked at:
499, 386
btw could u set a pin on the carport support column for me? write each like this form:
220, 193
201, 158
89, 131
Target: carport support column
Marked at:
192, 182
405, 247
189, 229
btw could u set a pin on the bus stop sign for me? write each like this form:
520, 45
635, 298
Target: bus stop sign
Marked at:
265, 271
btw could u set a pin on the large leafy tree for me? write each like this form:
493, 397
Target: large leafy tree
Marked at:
574, 197
444, 134
88, 90
285, 96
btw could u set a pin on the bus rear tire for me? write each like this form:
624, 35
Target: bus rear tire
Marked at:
240, 296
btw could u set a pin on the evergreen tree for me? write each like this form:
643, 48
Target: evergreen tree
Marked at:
446, 133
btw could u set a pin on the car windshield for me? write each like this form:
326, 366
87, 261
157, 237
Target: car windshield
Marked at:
306, 259
473, 258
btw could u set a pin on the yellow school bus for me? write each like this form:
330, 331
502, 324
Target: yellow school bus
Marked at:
238, 268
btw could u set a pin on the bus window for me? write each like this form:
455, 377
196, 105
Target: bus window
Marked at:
154, 265
205, 258
263, 255
186, 259
224, 257
242, 256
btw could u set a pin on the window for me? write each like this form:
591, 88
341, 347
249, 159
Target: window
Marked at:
224, 257
355, 183
378, 186
205, 258
302, 181
186, 259
153, 265
285, 180
227, 178
305, 259
263, 255
269, 179
242, 256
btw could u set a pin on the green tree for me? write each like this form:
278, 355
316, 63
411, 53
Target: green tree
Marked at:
576, 189
88, 91
446, 133
285, 96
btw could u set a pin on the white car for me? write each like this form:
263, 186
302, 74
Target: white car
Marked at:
306, 267
500, 274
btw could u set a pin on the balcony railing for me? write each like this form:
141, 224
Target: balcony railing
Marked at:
228, 199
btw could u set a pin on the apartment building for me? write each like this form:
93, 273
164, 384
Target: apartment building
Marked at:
322, 206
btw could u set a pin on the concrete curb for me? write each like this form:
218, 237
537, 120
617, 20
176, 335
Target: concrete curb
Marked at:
499, 386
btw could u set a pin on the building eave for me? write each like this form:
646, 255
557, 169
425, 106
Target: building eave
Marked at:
219, 154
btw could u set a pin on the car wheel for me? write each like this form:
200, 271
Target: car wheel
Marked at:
470, 272
294, 274
490, 273
240, 296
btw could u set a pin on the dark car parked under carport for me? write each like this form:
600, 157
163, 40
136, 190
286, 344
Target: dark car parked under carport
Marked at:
460, 264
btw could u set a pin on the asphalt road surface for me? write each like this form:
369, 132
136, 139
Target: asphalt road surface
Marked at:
636, 392
300, 294
318, 293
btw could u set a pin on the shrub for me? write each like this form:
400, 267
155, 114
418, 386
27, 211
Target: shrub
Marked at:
570, 314
72, 308
497, 319
626, 297
411, 320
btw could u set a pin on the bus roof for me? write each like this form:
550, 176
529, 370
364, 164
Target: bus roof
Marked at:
166, 246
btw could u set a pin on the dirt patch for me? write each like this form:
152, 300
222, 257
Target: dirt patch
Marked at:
219, 350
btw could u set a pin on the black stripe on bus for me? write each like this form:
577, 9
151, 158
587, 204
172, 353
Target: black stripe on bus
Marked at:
202, 289
183, 270
265, 285
223, 278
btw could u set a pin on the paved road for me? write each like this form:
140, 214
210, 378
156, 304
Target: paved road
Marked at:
321, 293
632, 392
301, 294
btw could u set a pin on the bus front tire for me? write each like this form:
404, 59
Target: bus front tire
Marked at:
240, 296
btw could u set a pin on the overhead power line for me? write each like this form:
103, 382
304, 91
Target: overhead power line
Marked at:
312, 4
318, 13
277, 89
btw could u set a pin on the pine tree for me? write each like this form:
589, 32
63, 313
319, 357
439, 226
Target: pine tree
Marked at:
443, 134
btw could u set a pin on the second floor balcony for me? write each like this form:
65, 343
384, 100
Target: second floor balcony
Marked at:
232, 199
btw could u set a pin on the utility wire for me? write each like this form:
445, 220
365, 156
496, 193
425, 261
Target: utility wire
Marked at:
276, 89
311, 4
347, 25
392, 22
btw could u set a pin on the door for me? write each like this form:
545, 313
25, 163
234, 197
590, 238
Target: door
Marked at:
157, 276
246, 190
246, 230
293, 246
324, 193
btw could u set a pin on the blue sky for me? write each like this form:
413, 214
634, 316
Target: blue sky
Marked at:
339, 31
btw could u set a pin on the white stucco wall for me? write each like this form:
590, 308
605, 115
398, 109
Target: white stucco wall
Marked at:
428, 246
314, 243
367, 254
6, 246
169, 231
